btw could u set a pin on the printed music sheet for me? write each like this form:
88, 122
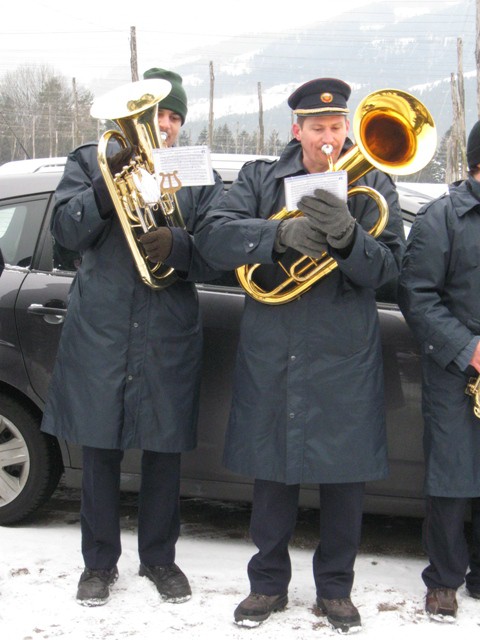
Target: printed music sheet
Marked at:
193, 165
335, 182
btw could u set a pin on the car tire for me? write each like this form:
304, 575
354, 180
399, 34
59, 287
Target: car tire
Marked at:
30, 462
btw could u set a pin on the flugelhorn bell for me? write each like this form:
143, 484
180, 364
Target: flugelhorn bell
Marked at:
395, 133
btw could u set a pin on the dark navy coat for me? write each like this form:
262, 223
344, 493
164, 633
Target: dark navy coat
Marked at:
128, 365
439, 295
308, 402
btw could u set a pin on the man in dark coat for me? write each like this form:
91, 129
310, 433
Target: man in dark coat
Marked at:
308, 403
439, 295
128, 367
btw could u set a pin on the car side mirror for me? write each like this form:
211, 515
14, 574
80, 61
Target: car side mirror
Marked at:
2, 262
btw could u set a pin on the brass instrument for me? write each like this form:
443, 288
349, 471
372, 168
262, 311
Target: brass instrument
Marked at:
142, 200
473, 389
395, 133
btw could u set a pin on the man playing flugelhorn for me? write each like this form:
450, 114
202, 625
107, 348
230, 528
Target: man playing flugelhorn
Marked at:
308, 403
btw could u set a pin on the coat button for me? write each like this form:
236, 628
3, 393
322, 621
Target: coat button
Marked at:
130, 377
430, 347
291, 415
292, 358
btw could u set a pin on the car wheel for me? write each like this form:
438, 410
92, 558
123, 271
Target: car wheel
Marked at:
30, 462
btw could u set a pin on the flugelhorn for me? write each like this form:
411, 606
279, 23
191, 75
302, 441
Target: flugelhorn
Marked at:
395, 133
142, 199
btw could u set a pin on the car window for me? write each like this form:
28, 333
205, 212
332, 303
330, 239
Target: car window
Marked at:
20, 222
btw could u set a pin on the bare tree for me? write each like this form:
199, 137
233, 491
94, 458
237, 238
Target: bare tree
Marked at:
38, 113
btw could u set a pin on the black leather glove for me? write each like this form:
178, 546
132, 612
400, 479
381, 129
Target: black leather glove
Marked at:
157, 244
298, 233
330, 215
121, 159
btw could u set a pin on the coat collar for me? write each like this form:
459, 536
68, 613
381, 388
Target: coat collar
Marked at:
463, 197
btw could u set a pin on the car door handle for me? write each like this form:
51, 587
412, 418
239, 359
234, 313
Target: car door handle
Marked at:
52, 315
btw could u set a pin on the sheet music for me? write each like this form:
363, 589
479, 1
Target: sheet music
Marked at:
335, 182
192, 164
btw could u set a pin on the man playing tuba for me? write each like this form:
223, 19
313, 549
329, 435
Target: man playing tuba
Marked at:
128, 367
308, 403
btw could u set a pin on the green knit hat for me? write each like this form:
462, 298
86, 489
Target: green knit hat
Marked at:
177, 98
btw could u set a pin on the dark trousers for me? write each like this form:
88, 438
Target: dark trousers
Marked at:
274, 515
446, 545
158, 507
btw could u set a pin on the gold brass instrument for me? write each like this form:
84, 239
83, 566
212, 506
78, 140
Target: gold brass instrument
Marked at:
142, 200
473, 389
395, 133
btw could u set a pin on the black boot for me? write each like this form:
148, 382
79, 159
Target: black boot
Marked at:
94, 586
172, 584
257, 607
341, 613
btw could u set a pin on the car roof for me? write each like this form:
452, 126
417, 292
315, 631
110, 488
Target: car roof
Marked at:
229, 164
13, 185
43, 174
24, 177
413, 195
33, 165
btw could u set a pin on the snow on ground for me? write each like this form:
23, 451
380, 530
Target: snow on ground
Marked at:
40, 566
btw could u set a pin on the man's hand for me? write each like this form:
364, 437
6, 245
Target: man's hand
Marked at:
330, 215
299, 234
475, 361
157, 244
121, 159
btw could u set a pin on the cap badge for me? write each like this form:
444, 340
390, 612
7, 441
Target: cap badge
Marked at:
326, 97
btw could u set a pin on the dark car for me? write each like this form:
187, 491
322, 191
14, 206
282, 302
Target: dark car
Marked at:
34, 284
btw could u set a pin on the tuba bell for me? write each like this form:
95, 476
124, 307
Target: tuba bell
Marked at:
143, 200
395, 133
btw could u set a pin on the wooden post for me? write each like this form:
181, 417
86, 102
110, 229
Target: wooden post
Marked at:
477, 55
210, 112
133, 54
75, 114
460, 123
261, 131
33, 136
452, 148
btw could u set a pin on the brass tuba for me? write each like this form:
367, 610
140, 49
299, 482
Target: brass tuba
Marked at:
142, 199
395, 133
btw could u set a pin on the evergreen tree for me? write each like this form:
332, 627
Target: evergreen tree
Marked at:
223, 140
434, 171
274, 144
203, 137
185, 138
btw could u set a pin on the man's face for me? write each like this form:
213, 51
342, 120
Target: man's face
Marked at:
314, 132
170, 123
